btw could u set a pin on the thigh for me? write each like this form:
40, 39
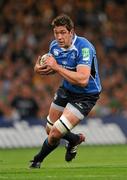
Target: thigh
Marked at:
58, 105
82, 104
54, 114
71, 117
61, 98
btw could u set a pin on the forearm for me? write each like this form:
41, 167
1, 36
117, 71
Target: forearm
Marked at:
80, 77
76, 78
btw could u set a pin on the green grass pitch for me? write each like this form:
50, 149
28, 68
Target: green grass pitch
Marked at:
91, 163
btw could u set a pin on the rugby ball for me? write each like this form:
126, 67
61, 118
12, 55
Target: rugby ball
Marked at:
43, 58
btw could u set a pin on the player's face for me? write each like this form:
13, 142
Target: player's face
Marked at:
63, 36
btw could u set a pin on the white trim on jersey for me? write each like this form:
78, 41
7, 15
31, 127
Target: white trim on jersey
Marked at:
83, 65
99, 89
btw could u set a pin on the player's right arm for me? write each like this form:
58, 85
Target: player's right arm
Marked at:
41, 69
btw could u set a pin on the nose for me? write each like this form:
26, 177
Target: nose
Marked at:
59, 37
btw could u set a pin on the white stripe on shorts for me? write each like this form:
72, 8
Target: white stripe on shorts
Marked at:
75, 111
57, 107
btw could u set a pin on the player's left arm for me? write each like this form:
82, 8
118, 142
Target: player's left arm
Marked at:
80, 77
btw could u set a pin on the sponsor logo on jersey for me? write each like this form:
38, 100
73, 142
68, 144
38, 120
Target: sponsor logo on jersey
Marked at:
86, 54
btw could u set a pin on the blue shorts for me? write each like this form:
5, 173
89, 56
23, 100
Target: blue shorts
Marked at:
83, 102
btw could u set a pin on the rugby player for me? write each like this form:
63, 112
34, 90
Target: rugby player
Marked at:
74, 58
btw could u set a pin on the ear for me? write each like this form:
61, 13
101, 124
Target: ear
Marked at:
72, 32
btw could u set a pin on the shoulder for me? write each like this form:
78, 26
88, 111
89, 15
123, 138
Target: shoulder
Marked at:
82, 42
54, 48
53, 44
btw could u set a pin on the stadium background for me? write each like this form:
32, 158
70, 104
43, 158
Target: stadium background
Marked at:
25, 33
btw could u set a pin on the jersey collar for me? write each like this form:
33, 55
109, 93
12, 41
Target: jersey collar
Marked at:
72, 45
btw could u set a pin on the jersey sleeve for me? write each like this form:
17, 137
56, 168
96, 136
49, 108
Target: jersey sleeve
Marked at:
51, 47
85, 55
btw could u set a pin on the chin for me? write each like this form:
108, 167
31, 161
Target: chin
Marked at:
61, 45
64, 46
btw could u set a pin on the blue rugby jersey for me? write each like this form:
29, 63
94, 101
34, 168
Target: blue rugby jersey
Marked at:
80, 53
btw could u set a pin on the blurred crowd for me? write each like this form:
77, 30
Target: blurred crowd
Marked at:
25, 33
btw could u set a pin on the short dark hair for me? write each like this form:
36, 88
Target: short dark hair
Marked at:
63, 20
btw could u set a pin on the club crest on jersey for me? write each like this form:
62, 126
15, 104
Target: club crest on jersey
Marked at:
73, 55
86, 54
56, 52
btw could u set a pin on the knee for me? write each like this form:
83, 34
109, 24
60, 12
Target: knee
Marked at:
63, 125
54, 136
47, 130
49, 125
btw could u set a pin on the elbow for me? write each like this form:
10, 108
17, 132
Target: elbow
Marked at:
83, 80
83, 83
